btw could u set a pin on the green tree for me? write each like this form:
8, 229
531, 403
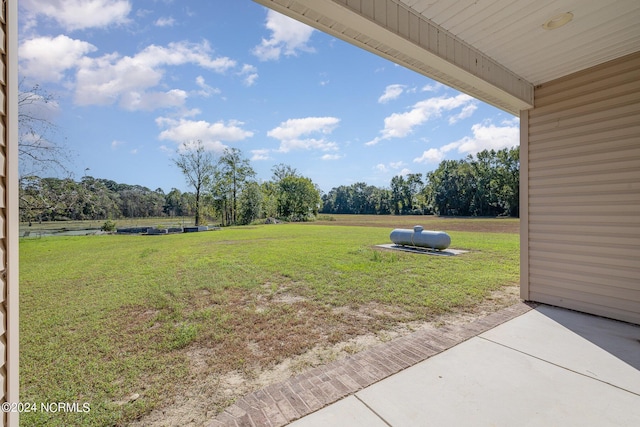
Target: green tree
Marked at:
269, 191
33, 199
381, 200
398, 194
413, 187
196, 164
250, 203
487, 184
232, 173
99, 202
281, 171
298, 198
173, 203
508, 177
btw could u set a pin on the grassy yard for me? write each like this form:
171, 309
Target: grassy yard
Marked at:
129, 323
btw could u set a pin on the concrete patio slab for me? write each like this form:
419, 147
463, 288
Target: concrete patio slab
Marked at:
481, 383
549, 366
423, 251
604, 349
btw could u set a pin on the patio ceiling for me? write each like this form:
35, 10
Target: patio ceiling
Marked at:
495, 50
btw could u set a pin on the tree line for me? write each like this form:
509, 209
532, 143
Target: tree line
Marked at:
62, 199
484, 185
225, 191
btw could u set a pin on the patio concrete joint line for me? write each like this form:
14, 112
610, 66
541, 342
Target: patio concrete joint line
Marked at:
372, 410
559, 366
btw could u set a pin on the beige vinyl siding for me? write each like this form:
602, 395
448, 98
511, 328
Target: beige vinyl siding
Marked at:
9, 385
583, 191
3, 206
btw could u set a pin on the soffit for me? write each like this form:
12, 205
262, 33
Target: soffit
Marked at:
511, 32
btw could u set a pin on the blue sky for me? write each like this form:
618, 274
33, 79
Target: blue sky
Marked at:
137, 80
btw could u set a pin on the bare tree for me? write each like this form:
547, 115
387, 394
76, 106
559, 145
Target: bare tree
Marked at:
39, 150
196, 164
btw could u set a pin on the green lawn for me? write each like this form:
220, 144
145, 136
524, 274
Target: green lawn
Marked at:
104, 317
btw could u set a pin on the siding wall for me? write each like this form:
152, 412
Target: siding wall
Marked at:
9, 385
3, 205
583, 191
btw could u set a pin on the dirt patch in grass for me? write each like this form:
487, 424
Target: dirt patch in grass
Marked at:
295, 336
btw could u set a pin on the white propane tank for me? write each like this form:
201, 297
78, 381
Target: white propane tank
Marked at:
419, 237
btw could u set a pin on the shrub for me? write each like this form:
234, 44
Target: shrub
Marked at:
108, 226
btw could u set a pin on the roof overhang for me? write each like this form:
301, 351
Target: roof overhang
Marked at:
400, 34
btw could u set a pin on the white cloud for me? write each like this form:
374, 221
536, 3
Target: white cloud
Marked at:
382, 168
466, 111
141, 13
294, 128
432, 155
179, 53
206, 90
115, 144
331, 157
214, 146
46, 59
405, 172
78, 14
432, 87
393, 166
183, 131
250, 74
288, 37
514, 121
165, 22
399, 125
112, 78
261, 154
391, 92
149, 101
291, 133
166, 149
374, 141
487, 136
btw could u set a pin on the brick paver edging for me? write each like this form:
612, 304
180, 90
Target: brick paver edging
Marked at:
284, 402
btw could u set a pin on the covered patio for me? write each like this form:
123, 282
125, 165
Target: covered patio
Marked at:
570, 70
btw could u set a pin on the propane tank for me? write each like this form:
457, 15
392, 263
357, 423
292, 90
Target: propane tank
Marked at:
421, 238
